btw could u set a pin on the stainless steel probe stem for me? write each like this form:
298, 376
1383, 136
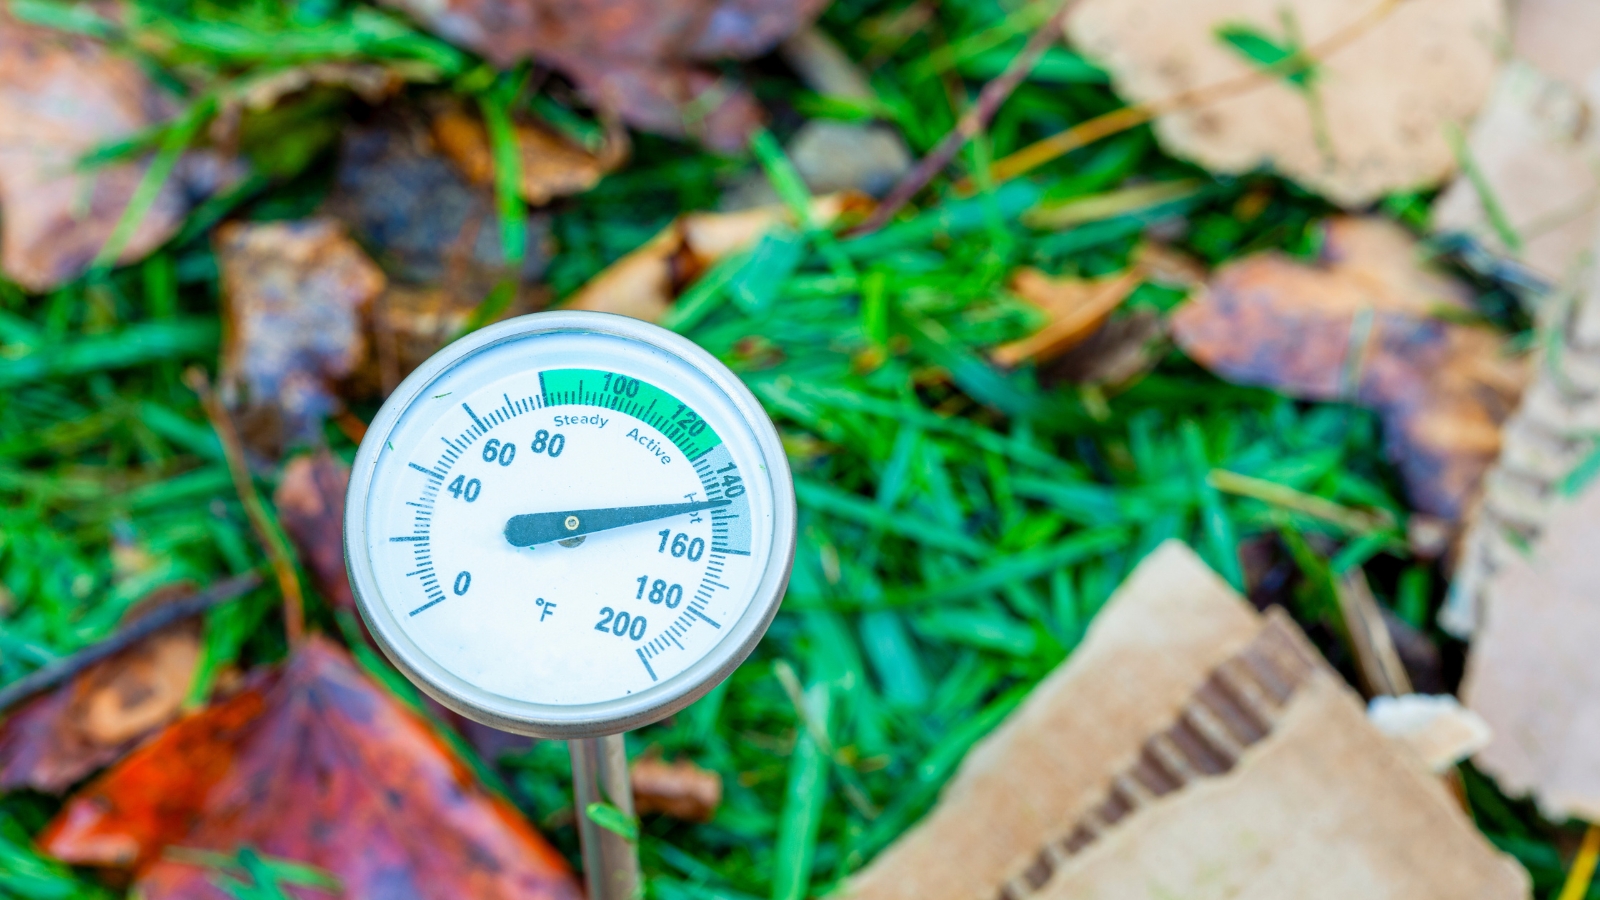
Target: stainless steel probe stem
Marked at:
600, 775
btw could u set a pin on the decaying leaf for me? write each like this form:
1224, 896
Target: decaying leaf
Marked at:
551, 166
312, 763
372, 83
1547, 444
1177, 753
1533, 674
1533, 193
1360, 325
55, 740
295, 294
644, 283
310, 504
1075, 307
1117, 353
422, 220
62, 96
437, 238
1367, 118
634, 57
681, 789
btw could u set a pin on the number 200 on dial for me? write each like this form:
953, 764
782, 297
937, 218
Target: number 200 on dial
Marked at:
569, 524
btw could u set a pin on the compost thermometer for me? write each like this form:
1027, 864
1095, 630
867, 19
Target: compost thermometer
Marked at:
569, 525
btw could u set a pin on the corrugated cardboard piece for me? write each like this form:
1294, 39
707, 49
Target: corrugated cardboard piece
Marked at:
1190, 748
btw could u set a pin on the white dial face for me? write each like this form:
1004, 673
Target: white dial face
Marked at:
568, 518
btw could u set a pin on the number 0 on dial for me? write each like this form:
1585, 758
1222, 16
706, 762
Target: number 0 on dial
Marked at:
569, 524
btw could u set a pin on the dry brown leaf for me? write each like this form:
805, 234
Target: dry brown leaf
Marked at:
551, 167
1176, 754
1117, 354
310, 503
295, 294
1533, 673
55, 740
62, 96
372, 83
1359, 325
634, 57
644, 283
317, 764
1075, 307
681, 789
1535, 149
1385, 98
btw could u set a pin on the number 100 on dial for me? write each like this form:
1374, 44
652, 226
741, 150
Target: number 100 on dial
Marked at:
570, 524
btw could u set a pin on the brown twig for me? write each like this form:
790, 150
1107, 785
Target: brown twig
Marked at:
60, 670
272, 540
1119, 120
972, 122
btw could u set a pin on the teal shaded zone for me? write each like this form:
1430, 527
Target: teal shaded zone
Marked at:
681, 425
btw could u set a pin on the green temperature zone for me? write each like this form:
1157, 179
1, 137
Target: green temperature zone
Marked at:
644, 401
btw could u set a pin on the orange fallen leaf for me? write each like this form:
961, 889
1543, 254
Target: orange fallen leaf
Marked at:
294, 293
1360, 325
551, 167
681, 789
62, 96
1076, 308
316, 764
644, 283
57, 739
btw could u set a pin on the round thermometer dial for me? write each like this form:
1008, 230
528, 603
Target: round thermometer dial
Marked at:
570, 524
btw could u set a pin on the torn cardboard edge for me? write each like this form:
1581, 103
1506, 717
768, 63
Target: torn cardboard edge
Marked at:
1234, 709
1543, 445
1191, 747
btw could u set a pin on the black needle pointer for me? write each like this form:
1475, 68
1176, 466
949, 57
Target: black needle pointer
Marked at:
542, 528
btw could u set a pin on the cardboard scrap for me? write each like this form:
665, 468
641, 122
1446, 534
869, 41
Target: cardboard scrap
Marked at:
1436, 727
1533, 674
1371, 120
1190, 748
1537, 160
1544, 443
1535, 147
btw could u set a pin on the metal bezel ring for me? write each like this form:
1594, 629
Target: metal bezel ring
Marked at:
595, 719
